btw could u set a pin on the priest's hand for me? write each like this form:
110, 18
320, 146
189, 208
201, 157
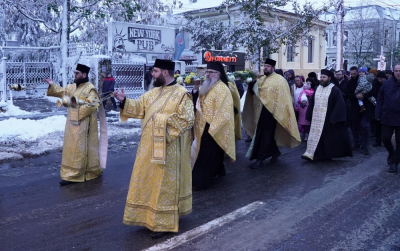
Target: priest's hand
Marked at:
360, 96
48, 80
120, 96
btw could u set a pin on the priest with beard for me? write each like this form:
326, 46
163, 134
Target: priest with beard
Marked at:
160, 189
268, 117
84, 154
214, 127
328, 136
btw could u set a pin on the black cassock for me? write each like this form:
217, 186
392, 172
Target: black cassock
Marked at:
335, 140
210, 160
264, 142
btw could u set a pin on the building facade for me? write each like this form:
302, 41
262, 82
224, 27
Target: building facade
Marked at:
368, 31
305, 56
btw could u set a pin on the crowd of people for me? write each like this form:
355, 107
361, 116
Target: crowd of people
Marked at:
186, 137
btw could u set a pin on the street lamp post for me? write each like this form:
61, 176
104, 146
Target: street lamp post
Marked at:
339, 26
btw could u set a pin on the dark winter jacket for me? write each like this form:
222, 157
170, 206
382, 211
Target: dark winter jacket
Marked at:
108, 84
240, 88
342, 86
388, 103
291, 81
354, 109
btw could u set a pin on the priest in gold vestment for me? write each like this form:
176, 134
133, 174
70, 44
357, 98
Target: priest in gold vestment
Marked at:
80, 155
160, 189
268, 117
214, 127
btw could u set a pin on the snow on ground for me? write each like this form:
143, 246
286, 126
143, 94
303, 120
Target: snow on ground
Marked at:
51, 99
27, 137
13, 110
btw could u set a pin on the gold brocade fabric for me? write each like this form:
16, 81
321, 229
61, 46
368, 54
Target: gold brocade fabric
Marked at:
80, 156
273, 92
236, 104
159, 193
318, 118
217, 110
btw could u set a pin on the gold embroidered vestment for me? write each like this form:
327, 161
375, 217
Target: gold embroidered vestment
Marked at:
161, 183
80, 156
236, 104
217, 110
272, 92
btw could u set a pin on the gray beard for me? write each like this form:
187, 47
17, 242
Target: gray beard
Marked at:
206, 86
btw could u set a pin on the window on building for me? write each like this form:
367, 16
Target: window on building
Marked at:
334, 37
346, 38
290, 53
386, 37
310, 50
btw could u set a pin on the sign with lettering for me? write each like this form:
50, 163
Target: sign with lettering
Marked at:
139, 38
225, 57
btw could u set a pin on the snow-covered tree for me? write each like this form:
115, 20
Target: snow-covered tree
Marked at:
257, 25
87, 19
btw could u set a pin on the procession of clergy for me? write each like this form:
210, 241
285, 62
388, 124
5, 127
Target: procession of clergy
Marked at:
186, 136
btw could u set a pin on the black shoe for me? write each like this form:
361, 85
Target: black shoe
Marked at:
274, 158
156, 235
65, 182
393, 168
257, 164
356, 147
306, 158
376, 144
364, 150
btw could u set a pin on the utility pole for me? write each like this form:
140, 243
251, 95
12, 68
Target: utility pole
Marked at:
339, 31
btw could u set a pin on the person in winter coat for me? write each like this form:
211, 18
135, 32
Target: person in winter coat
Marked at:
387, 111
108, 87
290, 77
301, 108
377, 84
360, 121
364, 85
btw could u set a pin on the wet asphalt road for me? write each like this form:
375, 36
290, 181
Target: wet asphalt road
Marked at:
346, 204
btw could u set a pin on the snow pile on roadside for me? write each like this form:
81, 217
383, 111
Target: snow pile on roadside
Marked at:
31, 130
13, 110
26, 137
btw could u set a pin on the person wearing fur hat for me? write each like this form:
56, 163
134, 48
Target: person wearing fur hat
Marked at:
268, 117
81, 158
328, 136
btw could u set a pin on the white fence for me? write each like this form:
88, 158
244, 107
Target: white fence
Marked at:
128, 75
28, 74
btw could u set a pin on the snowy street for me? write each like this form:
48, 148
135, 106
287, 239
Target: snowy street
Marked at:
346, 204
